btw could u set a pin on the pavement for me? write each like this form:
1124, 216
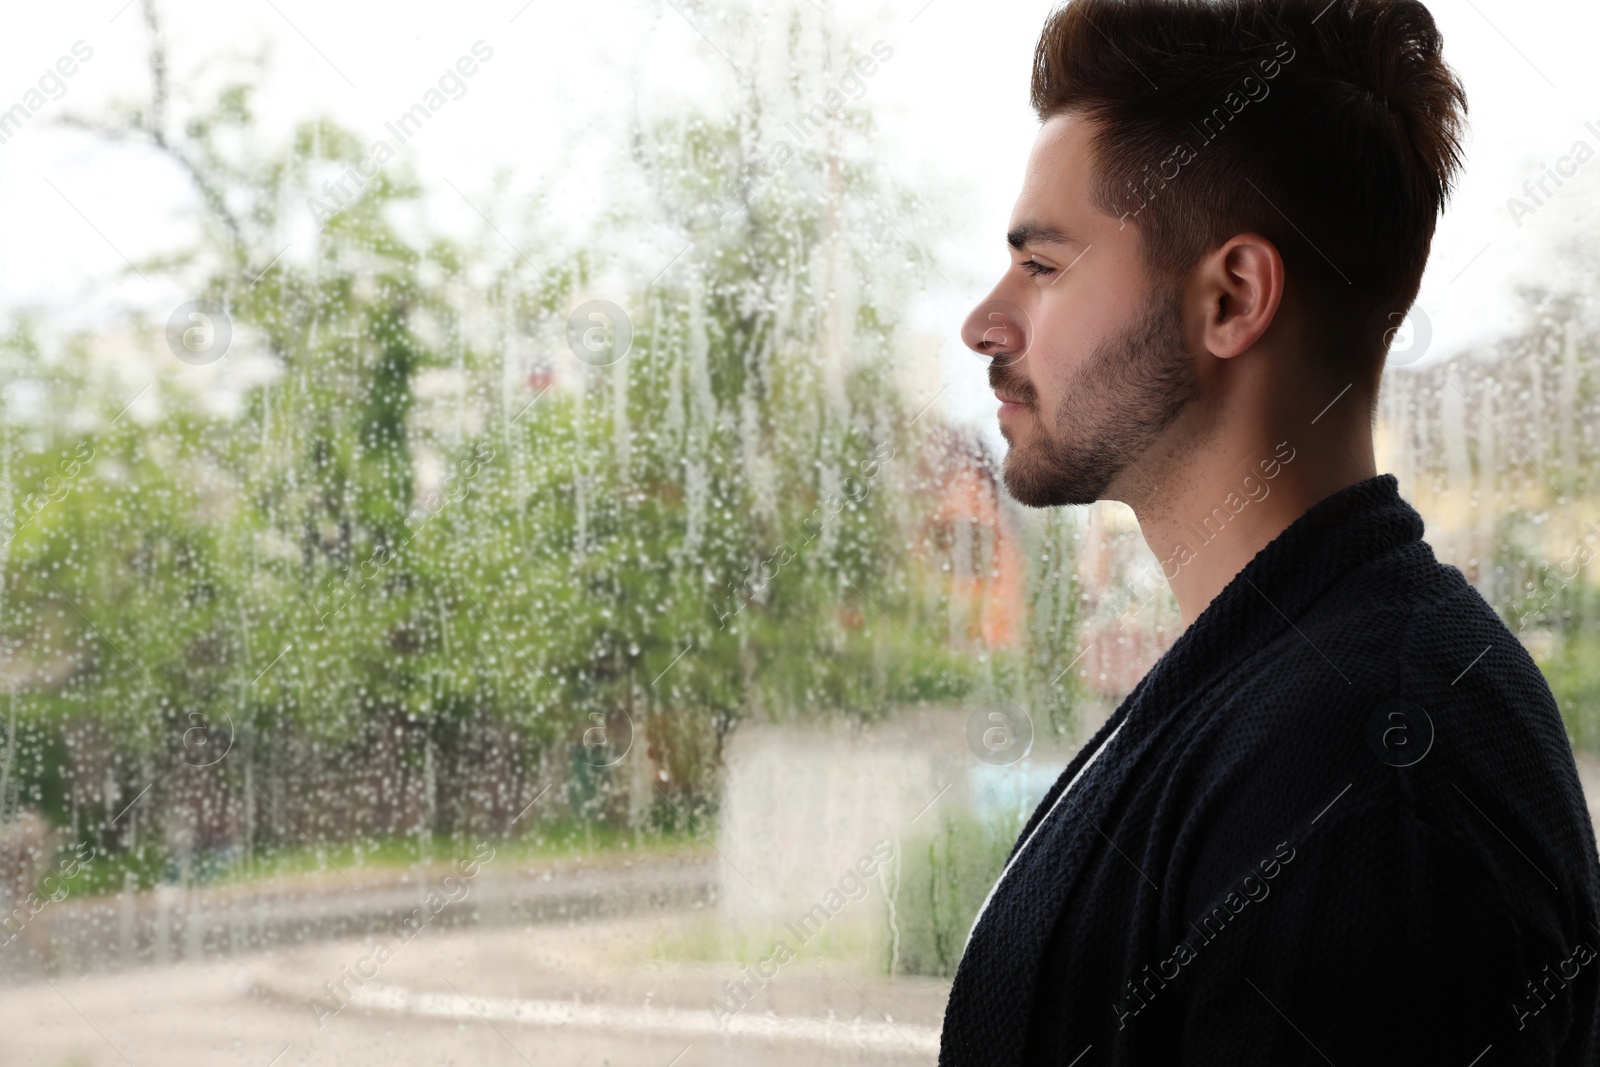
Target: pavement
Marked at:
574, 963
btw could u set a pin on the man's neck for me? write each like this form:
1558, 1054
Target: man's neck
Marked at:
1214, 514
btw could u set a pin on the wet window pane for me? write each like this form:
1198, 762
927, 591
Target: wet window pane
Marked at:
504, 554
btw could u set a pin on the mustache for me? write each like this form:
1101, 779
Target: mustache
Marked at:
1003, 379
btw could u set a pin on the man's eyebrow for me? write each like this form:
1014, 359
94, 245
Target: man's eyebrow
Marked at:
1035, 233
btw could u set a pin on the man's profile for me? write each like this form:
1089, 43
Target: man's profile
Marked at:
1339, 821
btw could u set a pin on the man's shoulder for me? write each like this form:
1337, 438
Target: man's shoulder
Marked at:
1407, 622
1403, 635
1406, 684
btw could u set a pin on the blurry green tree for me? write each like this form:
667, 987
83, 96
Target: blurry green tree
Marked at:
430, 565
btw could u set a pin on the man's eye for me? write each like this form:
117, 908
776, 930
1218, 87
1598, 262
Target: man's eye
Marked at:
1035, 268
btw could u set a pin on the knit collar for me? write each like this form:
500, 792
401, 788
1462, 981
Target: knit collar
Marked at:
1281, 582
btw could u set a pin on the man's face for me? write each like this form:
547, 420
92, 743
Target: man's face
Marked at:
1088, 361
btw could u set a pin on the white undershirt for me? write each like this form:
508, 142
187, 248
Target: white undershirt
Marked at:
1037, 826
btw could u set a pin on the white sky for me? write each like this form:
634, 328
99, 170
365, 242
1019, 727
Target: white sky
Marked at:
951, 105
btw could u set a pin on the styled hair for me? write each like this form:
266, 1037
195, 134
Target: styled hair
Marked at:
1330, 127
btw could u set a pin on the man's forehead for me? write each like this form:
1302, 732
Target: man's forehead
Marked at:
1056, 183
1065, 129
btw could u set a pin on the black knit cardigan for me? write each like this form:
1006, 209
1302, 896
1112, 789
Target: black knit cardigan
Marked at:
1342, 825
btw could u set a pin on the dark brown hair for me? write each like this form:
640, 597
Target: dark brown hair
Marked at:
1330, 128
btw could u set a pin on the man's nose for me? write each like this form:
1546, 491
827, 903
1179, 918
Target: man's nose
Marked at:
998, 329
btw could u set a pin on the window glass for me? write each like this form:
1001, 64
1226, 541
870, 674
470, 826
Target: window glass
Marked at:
504, 559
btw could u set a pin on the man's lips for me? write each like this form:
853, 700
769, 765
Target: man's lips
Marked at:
1010, 403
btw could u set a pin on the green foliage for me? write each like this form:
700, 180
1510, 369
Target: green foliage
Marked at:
1553, 607
1570, 670
391, 589
938, 889
148, 865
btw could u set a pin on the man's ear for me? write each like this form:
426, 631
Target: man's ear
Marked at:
1241, 285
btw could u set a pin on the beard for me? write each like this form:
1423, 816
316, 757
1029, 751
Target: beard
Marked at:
1131, 388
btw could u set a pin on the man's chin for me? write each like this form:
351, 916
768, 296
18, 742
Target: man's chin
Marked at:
1037, 483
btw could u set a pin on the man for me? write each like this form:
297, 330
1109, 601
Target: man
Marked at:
1339, 821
